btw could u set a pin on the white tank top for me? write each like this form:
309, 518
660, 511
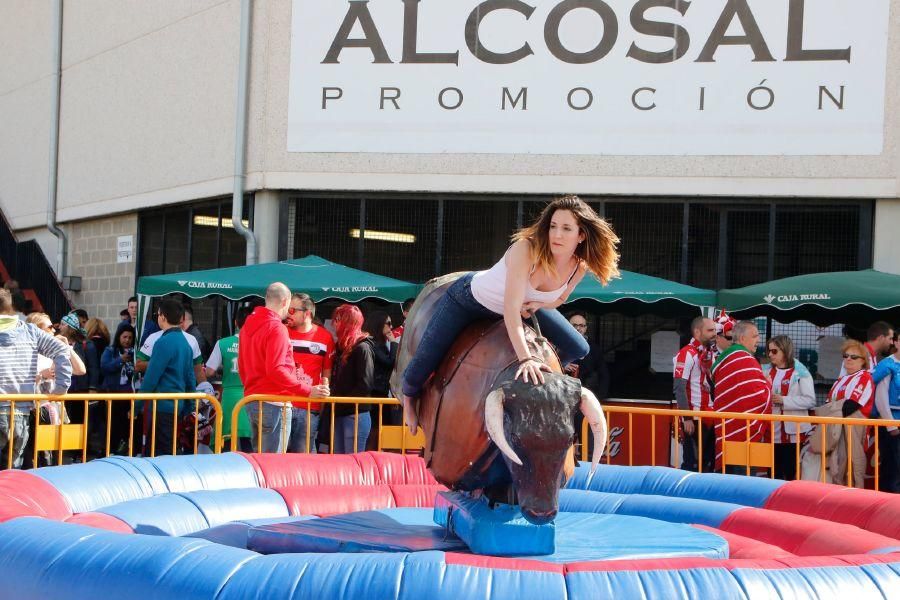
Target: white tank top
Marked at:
489, 288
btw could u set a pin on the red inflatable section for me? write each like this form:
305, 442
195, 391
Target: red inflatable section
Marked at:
740, 546
346, 482
866, 509
100, 521
802, 535
25, 495
328, 500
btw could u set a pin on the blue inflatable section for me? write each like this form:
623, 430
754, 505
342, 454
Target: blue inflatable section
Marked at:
64, 561
498, 531
663, 508
389, 530
579, 536
664, 481
234, 534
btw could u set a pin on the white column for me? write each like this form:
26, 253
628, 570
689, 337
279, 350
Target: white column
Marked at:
265, 224
884, 244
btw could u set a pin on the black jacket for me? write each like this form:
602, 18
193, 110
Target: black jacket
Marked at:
593, 372
385, 357
354, 377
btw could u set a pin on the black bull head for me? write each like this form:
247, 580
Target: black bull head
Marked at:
533, 426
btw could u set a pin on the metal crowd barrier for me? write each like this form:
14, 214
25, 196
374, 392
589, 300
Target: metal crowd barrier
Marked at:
69, 437
753, 454
390, 437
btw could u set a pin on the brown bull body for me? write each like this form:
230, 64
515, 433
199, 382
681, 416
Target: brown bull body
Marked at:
451, 407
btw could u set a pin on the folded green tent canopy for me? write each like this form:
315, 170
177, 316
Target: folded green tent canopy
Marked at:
855, 297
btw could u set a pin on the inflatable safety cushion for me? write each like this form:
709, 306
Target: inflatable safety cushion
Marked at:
167, 514
740, 546
827, 501
46, 559
89, 486
329, 500
100, 521
803, 536
677, 510
195, 472
736, 489
613, 479
235, 534
292, 470
886, 519
224, 506
144, 468
415, 495
656, 583
400, 469
23, 494
589, 501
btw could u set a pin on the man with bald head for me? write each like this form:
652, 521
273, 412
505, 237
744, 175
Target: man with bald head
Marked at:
266, 366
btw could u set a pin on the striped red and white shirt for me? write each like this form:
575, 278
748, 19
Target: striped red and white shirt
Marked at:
781, 385
692, 364
857, 387
741, 387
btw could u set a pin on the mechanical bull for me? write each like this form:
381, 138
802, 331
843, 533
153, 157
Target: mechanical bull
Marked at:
488, 433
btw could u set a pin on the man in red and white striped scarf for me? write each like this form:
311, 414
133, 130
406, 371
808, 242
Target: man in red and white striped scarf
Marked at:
740, 387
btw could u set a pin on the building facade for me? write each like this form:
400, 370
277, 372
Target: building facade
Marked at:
809, 182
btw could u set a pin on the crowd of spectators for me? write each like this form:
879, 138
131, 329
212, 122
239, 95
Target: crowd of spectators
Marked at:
283, 349
717, 371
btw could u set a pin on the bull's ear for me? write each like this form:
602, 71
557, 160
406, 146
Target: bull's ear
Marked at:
493, 422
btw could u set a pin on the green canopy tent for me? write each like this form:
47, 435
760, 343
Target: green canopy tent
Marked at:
635, 294
852, 297
319, 278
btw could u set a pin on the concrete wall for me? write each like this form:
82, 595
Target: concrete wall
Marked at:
148, 110
886, 243
106, 284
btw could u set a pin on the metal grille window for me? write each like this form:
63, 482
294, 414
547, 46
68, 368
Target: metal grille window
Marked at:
810, 240
322, 227
651, 237
477, 233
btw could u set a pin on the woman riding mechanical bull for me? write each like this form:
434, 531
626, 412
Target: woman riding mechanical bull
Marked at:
538, 272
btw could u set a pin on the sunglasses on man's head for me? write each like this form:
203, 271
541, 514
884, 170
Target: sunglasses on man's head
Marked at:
851, 356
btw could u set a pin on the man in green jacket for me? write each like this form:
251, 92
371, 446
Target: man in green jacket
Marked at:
170, 370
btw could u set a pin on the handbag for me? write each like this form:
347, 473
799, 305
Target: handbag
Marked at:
834, 432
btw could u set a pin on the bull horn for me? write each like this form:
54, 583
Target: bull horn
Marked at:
493, 421
593, 412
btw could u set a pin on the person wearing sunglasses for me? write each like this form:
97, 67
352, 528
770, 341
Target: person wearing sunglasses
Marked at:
793, 393
887, 401
855, 391
313, 349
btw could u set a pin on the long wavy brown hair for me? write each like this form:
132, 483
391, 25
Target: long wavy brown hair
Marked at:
598, 251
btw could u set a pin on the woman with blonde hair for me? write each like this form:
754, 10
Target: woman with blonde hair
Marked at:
853, 396
98, 333
536, 275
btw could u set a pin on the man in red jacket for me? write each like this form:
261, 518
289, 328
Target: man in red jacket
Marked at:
266, 365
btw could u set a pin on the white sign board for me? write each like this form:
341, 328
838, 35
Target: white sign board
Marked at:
125, 249
663, 348
616, 77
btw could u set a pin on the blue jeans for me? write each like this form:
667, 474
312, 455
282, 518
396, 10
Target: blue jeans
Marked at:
20, 434
457, 310
343, 433
297, 442
272, 434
